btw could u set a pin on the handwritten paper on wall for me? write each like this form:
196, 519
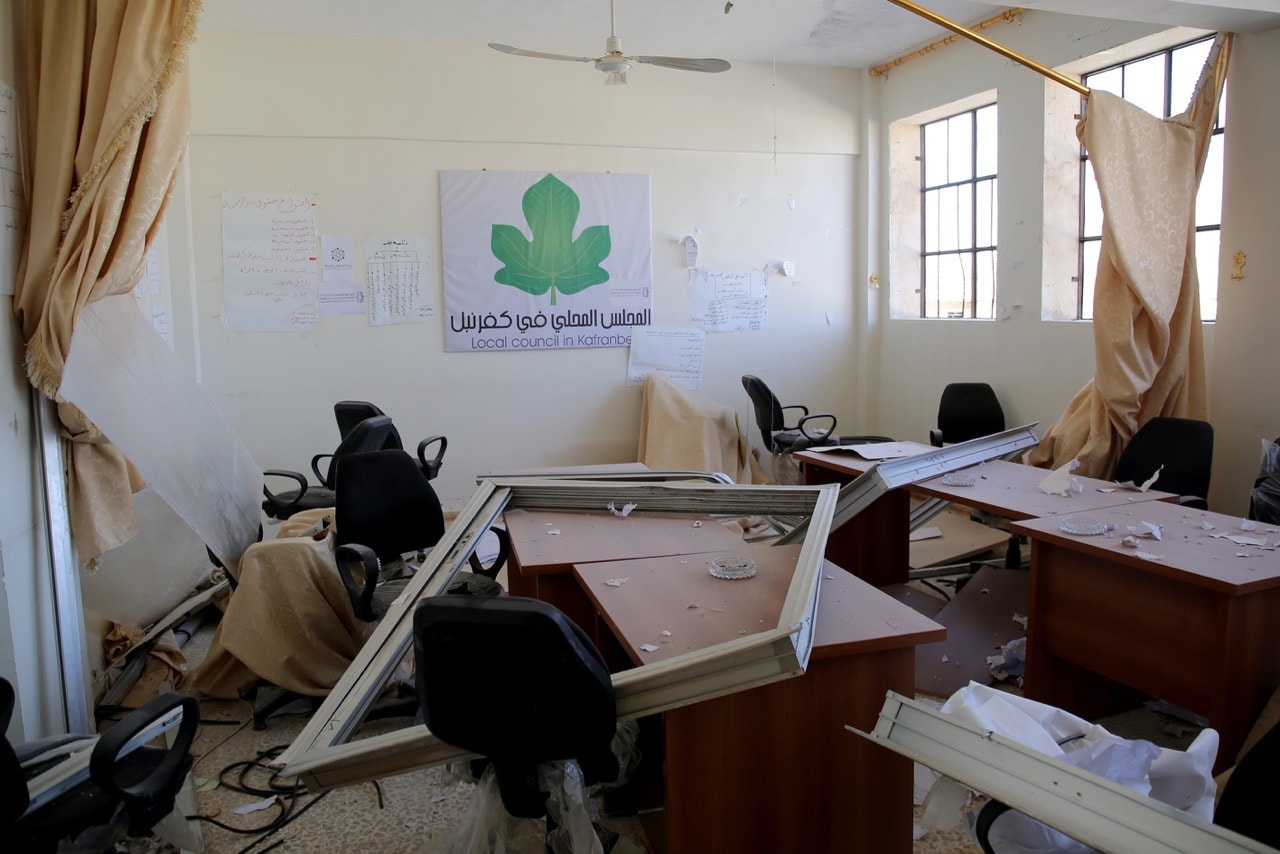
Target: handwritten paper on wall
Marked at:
397, 280
13, 200
269, 262
676, 353
727, 301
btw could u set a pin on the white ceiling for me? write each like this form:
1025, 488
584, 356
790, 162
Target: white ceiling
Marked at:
848, 33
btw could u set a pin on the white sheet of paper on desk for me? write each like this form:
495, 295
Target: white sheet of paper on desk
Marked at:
876, 450
1060, 482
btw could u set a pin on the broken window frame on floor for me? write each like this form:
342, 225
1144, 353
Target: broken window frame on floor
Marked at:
324, 754
1087, 807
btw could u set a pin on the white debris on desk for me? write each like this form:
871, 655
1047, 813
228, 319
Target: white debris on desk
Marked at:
616, 582
625, 511
648, 647
666, 634
697, 523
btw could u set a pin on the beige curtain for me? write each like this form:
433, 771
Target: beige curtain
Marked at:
106, 106
1148, 347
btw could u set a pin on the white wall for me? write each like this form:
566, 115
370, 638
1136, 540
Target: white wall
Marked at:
367, 125
1035, 366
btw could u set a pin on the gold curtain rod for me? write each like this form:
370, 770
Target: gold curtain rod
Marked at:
1007, 15
996, 46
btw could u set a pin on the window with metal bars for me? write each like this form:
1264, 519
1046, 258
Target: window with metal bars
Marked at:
958, 215
1160, 83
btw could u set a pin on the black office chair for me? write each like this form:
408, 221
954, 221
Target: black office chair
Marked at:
371, 434
1181, 449
126, 794
385, 509
515, 681
349, 413
809, 430
1264, 499
966, 411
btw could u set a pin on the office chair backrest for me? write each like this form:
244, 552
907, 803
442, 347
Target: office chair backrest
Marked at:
512, 679
1184, 446
768, 409
386, 503
371, 434
349, 413
967, 411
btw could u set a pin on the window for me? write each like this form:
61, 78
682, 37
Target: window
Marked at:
1162, 84
958, 215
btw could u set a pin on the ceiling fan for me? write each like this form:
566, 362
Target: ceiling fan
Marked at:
615, 63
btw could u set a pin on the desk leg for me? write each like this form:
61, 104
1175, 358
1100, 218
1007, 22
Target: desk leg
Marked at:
773, 769
873, 545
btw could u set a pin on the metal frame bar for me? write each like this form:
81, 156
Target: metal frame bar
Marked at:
1085, 806
324, 755
1007, 53
68, 607
859, 494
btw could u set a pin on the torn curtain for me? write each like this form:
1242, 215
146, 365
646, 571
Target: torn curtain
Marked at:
107, 109
1148, 344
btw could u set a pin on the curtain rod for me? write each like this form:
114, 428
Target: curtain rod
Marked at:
1006, 15
996, 46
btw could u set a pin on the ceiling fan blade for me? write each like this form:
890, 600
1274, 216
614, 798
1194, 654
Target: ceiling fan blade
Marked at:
537, 54
684, 63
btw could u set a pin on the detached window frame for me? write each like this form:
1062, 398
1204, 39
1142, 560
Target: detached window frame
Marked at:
324, 754
959, 207
1177, 68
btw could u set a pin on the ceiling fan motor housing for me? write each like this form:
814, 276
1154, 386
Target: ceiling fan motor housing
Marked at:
613, 62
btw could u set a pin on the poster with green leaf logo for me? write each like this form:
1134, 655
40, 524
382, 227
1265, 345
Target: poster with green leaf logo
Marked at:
545, 260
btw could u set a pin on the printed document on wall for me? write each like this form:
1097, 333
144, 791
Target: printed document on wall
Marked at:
269, 262
676, 353
398, 280
13, 200
729, 301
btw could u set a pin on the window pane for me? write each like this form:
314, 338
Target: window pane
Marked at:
955, 219
930, 298
954, 276
1208, 244
934, 153
1092, 251
1209, 196
1187, 63
1144, 84
985, 284
985, 233
960, 147
1092, 204
1108, 81
987, 146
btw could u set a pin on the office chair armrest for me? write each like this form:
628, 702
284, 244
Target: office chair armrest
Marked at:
431, 467
361, 594
150, 798
292, 475
504, 550
1193, 501
322, 477
816, 434
804, 410
935, 437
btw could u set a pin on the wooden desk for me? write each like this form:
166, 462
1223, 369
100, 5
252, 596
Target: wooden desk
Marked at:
772, 768
1192, 619
872, 545
1012, 490
545, 544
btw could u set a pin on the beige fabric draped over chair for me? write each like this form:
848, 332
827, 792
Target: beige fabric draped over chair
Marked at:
289, 620
686, 430
1148, 345
106, 112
